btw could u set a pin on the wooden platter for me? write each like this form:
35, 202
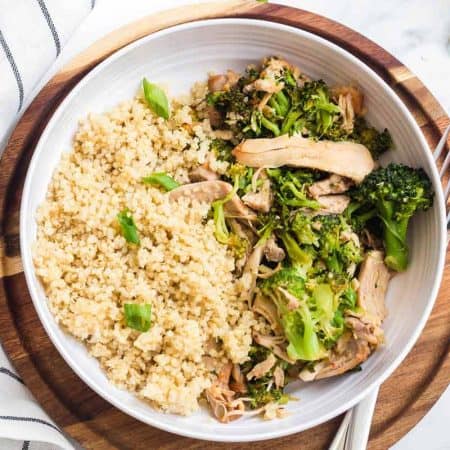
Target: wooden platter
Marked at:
404, 398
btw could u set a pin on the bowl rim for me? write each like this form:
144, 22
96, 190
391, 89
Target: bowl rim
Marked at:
28, 266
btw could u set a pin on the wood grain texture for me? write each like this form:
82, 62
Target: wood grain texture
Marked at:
404, 398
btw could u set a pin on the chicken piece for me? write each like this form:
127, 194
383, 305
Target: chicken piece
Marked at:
266, 308
238, 384
373, 282
260, 200
333, 204
348, 353
264, 100
272, 251
214, 116
355, 96
262, 368
216, 83
221, 398
268, 80
364, 329
347, 112
220, 82
347, 159
335, 184
278, 377
250, 273
275, 343
226, 135
202, 173
209, 191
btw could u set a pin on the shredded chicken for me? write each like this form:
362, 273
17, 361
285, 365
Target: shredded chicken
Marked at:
214, 116
347, 112
260, 200
209, 191
364, 329
266, 272
202, 173
250, 273
373, 282
226, 135
334, 184
278, 377
238, 384
347, 354
260, 369
266, 308
347, 159
355, 95
268, 80
221, 398
264, 101
220, 82
272, 251
333, 204
275, 343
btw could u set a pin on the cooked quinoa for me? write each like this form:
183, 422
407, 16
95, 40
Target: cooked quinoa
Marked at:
89, 271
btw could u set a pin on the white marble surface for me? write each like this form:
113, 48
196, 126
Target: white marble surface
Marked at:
415, 31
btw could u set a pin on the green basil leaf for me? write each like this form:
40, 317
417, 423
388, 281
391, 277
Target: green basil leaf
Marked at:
161, 179
138, 317
128, 227
156, 99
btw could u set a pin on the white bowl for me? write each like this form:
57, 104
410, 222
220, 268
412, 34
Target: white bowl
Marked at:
177, 57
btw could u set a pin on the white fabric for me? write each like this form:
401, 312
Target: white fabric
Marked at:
32, 34
21, 419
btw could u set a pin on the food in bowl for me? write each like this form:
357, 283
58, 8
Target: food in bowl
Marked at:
218, 246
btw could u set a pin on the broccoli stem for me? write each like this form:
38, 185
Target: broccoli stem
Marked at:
395, 244
299, 257
289, 121
394, 237
283, 102
266, 123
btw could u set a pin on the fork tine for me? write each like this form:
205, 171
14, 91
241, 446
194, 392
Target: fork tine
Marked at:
438, 150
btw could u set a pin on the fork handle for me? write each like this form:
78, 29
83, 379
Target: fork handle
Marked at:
359, 427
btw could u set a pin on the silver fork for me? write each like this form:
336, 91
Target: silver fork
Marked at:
353, 432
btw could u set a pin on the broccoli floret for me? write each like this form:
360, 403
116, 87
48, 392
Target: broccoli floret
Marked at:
336, 247
318, 107
221, 232
377, 142
291, 187
231, 100
300, 257
222, 149
245, 175
297, 320
303, 228
395, 193
261, 392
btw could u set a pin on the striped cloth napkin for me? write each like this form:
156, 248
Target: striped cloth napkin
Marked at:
32, 34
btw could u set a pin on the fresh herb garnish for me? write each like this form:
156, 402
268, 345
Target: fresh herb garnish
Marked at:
161, 179
138, 317
156, 99
128, 227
